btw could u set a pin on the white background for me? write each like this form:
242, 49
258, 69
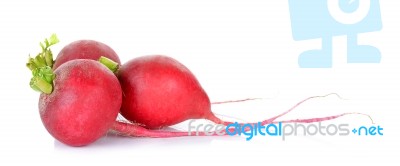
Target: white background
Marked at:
237, 49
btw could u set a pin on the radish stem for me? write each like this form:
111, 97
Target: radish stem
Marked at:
110, 64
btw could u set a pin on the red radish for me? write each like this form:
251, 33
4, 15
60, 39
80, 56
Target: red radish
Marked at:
85, 49
159, 91
84, 104
80, 100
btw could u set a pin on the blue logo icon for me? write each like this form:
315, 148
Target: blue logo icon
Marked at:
312, 19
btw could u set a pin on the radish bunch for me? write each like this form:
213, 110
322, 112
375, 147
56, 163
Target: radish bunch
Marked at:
85, 88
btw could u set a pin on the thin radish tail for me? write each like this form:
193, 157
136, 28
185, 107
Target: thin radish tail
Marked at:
134, 130
312, 120
235, 101
217, 120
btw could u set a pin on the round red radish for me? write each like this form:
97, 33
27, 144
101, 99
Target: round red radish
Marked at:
159, 91
85, 49
84, 103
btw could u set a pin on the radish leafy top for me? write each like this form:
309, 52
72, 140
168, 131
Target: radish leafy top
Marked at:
41, 67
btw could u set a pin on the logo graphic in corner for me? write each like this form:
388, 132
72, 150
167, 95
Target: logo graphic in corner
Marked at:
313, 19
